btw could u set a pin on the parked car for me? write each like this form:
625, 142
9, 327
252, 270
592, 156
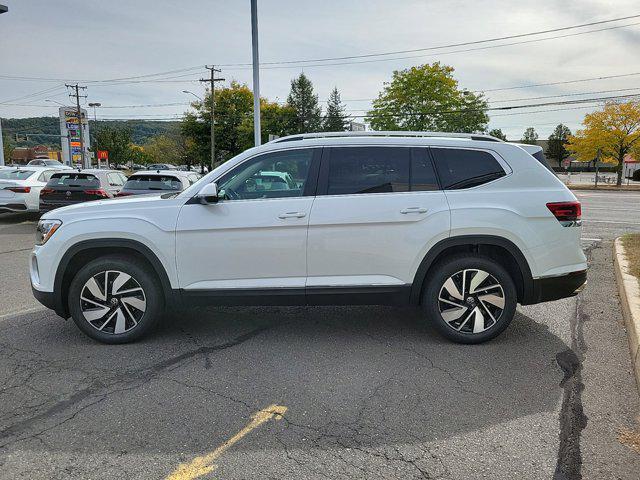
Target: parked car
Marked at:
77, 186
158, 182
462, 226
161, 166
20, 187
45, 162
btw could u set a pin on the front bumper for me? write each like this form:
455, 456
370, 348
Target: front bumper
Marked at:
555, 288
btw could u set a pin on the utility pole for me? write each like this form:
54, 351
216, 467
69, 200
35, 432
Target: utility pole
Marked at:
256, 73
79, 115
212, 82
1, 144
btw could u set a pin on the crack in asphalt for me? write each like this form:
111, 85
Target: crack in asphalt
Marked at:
572, 417
132, 377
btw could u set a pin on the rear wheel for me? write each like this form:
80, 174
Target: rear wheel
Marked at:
115, 299
470, 299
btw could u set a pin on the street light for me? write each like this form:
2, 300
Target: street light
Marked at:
94, 105
54, 101
191, 93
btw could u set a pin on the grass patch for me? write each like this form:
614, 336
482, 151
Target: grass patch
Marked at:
631, 243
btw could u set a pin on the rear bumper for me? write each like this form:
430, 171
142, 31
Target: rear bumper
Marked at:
555, 288
13, 207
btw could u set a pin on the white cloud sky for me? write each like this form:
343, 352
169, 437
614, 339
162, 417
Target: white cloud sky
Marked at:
91, 40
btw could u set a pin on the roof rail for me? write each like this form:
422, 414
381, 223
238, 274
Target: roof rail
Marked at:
376, 133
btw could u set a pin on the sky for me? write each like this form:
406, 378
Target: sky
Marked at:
49, 42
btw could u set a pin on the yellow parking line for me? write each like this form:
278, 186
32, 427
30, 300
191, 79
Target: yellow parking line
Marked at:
200, 466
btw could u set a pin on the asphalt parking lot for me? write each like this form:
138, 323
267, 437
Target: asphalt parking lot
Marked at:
335, 392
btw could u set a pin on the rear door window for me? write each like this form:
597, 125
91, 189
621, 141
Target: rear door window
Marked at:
15, 174
73, 180
45, 176
460, 168
153, 182
359, 170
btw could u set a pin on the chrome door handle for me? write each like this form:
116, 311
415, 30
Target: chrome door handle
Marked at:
292, 215
414, 210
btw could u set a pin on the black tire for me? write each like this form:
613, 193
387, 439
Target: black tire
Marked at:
462, 269
137, 322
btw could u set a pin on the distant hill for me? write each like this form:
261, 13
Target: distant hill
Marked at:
141, 130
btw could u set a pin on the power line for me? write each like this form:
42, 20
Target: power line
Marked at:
440, 47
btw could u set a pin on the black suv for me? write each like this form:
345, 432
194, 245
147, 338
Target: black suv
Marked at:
76, 186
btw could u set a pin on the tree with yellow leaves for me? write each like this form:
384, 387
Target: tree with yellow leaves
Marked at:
610, 134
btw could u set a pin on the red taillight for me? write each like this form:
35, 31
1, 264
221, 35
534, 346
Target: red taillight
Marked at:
46, 191
19, 189
98, 193
566, 211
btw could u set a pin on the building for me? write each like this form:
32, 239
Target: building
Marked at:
23, 155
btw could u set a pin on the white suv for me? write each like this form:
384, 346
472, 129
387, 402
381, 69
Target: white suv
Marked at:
464, 226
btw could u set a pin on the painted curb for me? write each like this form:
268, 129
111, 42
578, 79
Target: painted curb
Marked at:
629, 289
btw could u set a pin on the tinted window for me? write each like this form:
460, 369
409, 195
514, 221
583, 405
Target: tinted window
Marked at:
368, 170
543, 160
423, 176
15, 174
73, 180
465, 168
153, 182
272, 175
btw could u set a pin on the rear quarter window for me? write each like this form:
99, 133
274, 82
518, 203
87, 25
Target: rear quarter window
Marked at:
460, 168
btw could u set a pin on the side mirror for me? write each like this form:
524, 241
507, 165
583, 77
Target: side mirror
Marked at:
208, 194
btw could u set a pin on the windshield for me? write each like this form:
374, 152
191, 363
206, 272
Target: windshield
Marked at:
153, 182
73, 180
15, 174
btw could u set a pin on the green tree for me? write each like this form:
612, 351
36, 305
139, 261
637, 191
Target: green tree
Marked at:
556, 148
233, 105
8, 148
275, 119
164, 149
335, 119
496, 132
305, 103
530, 136
427, 97
117, 141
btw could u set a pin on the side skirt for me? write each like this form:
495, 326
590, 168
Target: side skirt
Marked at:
373, 295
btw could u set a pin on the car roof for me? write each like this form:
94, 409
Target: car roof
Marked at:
30, 168
178, 173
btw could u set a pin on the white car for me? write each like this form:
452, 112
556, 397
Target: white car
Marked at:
20, 187
145, 182
47, 162
462, 226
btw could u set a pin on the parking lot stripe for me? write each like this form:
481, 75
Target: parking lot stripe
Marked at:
202, 465
21, 312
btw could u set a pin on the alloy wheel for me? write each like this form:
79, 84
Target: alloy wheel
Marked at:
471, 301
112, 302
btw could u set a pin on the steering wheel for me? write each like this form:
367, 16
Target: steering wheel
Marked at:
231, 194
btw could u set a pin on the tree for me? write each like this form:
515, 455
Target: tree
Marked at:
117, 141
556, 148
275, 119
427, 97
335, 119
305, 103
8, 148
530, 136
162, 149
233, 105
496, 132
611, 134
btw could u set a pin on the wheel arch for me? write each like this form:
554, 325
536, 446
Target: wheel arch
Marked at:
81, 252
505, 252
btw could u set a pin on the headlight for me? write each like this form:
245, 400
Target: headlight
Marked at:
46, 228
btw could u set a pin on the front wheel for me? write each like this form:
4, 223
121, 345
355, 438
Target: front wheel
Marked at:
115, 299
470, 299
